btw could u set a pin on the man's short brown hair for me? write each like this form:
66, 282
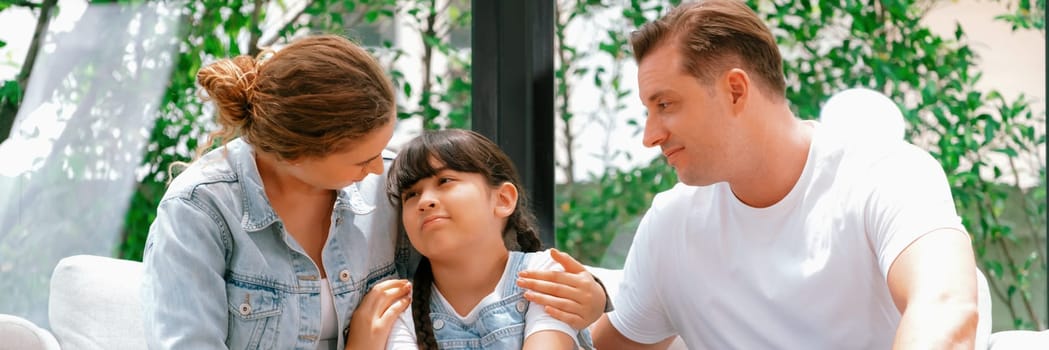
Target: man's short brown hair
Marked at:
714, 36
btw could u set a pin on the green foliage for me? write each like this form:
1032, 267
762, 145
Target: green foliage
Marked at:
593, 214
210, 31
443, 99
1025, 15
10, 99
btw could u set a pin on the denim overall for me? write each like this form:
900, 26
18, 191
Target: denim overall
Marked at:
498, 326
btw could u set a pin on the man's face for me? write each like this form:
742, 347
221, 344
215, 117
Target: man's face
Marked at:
690, 121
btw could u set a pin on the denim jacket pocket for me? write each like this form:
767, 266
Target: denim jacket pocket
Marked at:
254, 313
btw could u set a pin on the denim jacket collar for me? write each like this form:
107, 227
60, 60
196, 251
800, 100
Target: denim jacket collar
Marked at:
258, 213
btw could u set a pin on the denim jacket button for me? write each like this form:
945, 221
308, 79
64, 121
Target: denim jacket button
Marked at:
344, 275
245, 309
522, 306
438, 324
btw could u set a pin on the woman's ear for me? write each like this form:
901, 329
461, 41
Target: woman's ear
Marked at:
505, 200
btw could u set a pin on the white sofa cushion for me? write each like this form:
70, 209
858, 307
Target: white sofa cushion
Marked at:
21, 334
1019, 340
95, 304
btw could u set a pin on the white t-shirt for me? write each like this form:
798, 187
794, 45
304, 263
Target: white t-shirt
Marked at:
536, 319
808, 272
329, 323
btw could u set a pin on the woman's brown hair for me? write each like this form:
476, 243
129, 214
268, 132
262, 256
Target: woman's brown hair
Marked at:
464, 151
714, 35
309, 99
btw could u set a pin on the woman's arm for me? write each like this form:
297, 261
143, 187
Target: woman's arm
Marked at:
572, 296
183, 290
549, 339
374, 318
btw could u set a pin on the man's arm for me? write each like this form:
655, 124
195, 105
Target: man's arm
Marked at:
933, 284
607, 337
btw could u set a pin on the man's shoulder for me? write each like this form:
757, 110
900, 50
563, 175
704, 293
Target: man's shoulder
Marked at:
874, 159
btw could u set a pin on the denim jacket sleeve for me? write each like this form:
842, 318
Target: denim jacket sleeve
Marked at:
183, 294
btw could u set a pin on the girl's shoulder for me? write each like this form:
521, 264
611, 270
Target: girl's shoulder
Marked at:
540, 261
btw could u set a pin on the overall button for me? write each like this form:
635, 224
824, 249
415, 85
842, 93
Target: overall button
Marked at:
522, 306
245, 309
344, 275
438, 324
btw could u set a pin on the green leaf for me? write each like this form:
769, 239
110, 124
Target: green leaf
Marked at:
1009, 151
371, 16
10, 88
454, 13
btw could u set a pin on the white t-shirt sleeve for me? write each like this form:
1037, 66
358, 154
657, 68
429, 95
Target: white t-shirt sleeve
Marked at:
536, 318
402, 336
640, 314
910, 197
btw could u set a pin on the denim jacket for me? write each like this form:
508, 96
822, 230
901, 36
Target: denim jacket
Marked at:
221, 271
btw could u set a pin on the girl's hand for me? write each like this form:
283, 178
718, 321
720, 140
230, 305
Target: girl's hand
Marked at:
374, 317
572, 296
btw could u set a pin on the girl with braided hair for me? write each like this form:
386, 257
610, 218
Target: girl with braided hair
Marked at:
464, 210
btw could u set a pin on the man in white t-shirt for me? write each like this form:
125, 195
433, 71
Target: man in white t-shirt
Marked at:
781, 235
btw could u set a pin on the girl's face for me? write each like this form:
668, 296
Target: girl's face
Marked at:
453, 213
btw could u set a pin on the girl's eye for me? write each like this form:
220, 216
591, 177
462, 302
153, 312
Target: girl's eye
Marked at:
444, 180
407, 195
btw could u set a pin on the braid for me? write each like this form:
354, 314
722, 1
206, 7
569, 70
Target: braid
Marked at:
424, 335
522, 223
527, 238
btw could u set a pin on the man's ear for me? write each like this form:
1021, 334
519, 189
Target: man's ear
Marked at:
738, 83
505, 200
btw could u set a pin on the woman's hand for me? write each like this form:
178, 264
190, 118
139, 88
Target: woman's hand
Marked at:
572, 296
376, 314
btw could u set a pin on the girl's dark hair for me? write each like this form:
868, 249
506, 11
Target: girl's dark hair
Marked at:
469, 152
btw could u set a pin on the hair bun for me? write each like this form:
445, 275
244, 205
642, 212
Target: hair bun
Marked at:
230, 83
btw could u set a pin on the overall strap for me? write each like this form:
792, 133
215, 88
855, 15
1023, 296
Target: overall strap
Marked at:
517, 262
